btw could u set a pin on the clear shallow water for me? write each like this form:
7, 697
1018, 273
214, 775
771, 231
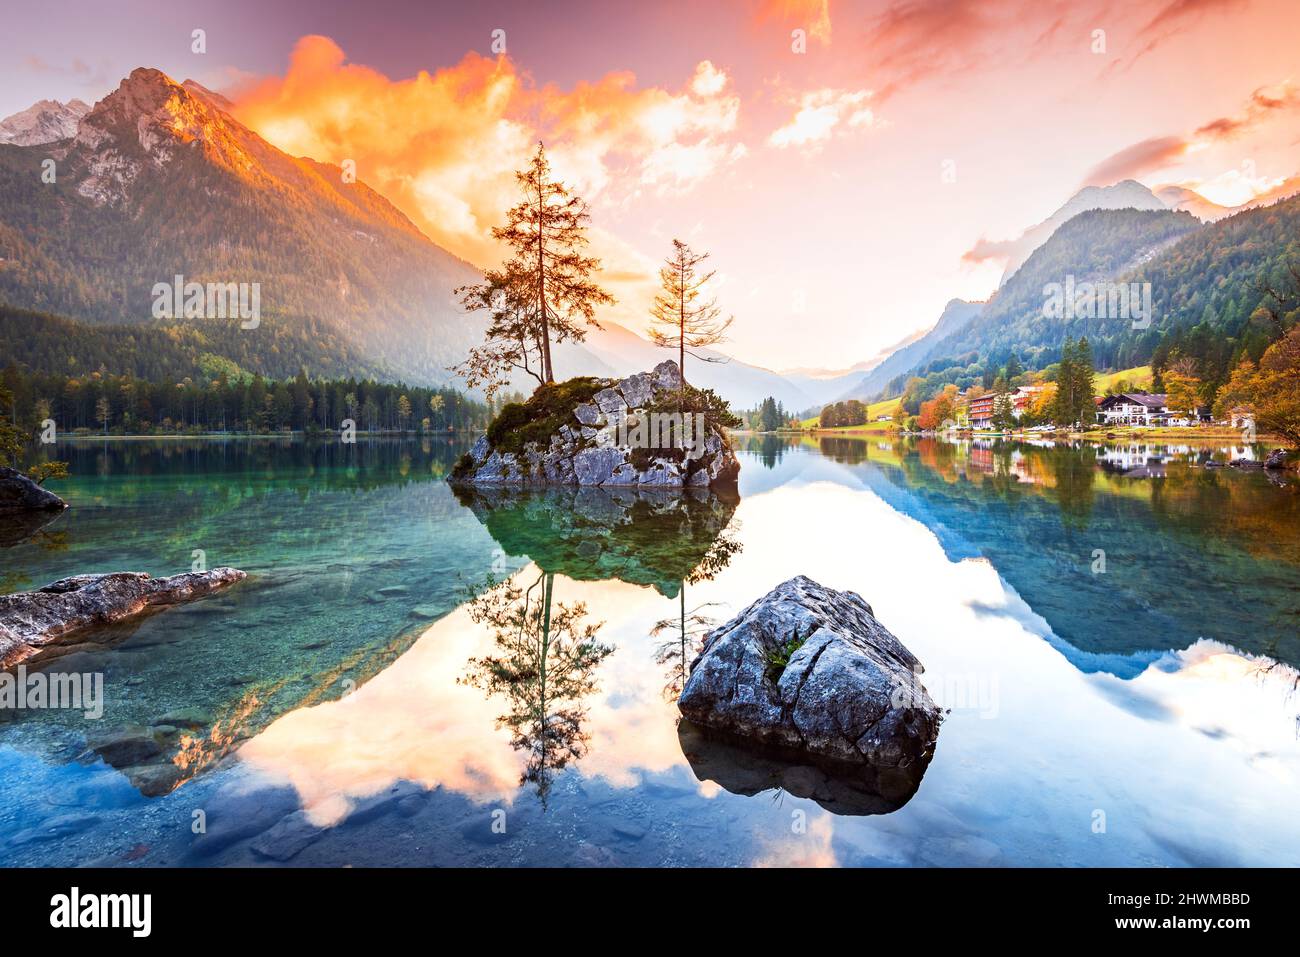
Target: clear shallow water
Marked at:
352, 677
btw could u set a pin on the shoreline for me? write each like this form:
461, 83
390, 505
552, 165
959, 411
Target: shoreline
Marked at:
1128, 435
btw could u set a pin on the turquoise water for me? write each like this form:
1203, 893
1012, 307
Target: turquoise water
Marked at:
371, 694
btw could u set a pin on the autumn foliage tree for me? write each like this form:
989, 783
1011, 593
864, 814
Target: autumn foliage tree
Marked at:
1183, 392
1042, 404
939, 411
684, 316
545, 293
1271, 390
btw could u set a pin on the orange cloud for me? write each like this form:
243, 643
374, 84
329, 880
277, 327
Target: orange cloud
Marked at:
1264, 101
443, 147
821, 113
1132, 161
813, 16
1158, 152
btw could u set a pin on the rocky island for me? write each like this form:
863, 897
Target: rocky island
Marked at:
643, 431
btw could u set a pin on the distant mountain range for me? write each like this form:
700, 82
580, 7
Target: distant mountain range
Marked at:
1128, 194
1101, 233
158, 180
955, 317
1182, 199
742, 384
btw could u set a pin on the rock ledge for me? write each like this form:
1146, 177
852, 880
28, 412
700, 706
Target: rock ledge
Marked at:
18, 492
64, 609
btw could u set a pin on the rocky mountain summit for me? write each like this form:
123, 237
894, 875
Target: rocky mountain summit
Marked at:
607, 432
46, 121
807, 674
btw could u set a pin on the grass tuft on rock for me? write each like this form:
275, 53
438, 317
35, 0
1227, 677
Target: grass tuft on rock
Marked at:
780, 656
536, 420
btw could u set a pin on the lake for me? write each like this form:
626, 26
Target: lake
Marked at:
413, 676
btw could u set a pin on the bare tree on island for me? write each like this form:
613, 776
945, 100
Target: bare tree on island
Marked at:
544, 293
684, 319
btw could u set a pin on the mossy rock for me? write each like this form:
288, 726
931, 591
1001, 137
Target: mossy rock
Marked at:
536, 420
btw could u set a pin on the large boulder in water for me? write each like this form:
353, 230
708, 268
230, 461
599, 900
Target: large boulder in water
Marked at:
808, 674
69, 607
20, 493
602, 432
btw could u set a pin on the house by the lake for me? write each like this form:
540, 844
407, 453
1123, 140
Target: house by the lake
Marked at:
1147, 408
1135, 408
1240, 417
981, 409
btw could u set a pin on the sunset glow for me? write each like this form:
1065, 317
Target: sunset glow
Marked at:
901, 138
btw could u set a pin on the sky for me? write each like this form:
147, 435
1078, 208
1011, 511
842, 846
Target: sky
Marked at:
848, 166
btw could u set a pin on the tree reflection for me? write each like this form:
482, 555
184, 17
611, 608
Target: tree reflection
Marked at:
544, 665
679, 636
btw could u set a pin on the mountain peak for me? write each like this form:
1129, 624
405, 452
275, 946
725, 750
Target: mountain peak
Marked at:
150, 119
213, 98
1126, 194
1181, 198
145, 91
46, 121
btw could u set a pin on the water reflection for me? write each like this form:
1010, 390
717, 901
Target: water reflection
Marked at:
543, 665
1140, 690
678, 639
748, 772
1120, 549
17, 527
639, 536
667, 539
351, 551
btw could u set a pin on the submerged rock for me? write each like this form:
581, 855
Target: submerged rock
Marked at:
807, 675
287, 837
69, 607
600, 432
20, 493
